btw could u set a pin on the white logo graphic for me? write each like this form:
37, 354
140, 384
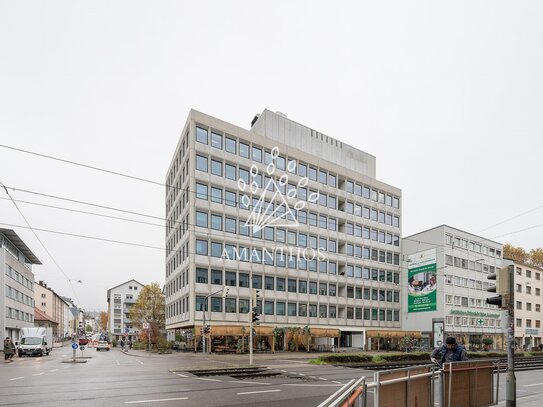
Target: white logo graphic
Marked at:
281, 209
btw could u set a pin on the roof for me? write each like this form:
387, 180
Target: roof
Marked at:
451, 227
126, 282
19, 244
40, 315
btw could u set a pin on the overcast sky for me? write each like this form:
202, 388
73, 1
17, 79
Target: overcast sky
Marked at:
447, 96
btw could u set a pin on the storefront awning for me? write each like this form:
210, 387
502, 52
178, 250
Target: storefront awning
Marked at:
393, 334
324, 333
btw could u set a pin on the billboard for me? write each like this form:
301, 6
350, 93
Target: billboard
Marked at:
422, 281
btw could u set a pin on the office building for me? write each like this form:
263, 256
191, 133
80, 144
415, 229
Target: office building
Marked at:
287, 210
16, 284
445, 288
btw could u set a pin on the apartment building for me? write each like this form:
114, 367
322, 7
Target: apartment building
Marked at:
446, 273
119, 300
528, 303
16, 284
289, 211
52, 305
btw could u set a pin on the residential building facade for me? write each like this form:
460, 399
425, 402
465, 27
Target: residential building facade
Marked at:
120, 299
50, 303
16, 284
291, 212
528, 304
446, 272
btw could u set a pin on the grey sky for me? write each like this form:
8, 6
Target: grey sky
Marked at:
447, 96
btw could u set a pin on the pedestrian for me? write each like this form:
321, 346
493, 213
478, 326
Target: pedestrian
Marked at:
541, 347
122, 344
8, 349
449, 352
12, 349
129, 344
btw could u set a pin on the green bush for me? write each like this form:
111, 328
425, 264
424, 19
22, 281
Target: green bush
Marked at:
487, 341
398, 357
139, 345
114, 343
346, 358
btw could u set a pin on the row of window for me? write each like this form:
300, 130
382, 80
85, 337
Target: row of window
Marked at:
19, 296
518, 323
468, 264
528, 273
470, 321
477, 247
261, 155
16, 253
18, 314
15, 275
302, 193
528, 306
296, 309
465, 301
528, 289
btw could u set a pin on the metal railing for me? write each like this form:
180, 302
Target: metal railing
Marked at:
353, 393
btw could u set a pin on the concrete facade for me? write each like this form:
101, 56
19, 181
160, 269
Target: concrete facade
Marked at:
119, 299
49, 302
16, 284
463, 262
353, 222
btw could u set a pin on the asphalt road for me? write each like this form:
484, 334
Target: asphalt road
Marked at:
117, 379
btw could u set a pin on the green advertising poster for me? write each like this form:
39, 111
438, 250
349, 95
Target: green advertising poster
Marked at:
422, 281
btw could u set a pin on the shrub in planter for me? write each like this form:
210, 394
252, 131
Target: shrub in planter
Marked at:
346, 358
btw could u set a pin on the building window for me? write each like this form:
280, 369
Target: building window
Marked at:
243, 149
216, 304
216, 140
201, 247
201, 191
201, 163
201, 135
230, 145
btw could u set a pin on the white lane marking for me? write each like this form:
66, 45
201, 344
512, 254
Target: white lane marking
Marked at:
243, 381
533, 384
37, 374
300, 374
334, 381
153, 401
322, 378
256, 392
284, 371
17, 378
209, 380
54, 370
181, 375
118, 364
139, 361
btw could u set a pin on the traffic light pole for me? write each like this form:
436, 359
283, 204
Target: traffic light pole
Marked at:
251, 330
510, 379
204, 320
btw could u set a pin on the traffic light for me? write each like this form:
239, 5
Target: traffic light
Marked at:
207, 329
502, 287
256, 295
225, 291
255, 316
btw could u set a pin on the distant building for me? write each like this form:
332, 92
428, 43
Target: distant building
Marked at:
445, 274
119, 300
285, 209
53, 305
528, 305
16, 284
72, 317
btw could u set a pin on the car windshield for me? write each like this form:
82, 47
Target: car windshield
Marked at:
31, 341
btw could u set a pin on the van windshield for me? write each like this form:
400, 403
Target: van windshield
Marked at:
31, 341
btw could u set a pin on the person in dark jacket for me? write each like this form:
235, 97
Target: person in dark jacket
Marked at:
449, 352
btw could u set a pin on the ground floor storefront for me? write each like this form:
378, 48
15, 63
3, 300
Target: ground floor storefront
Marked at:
476, 341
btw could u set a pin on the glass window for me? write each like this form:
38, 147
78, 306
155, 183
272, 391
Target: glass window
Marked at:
216, 249
201, 219
201, 275
302, 170
281, 162
216, 168
230, 198
280, 308
257, 154
244, 149
201, 191
323, 177
291, 307
332, 311
302, 310
216, 277
216, 304
201, 247
243, 280
230, 305
230, 171
230, 278
216, 140
244, 175
280, 284
291, 286
230, 225
268, 283
332, 180
243, 306
216, 222
201, 135
216, 195
312, 174
268, 307
201, 303
201, 163
349, 186
230, 145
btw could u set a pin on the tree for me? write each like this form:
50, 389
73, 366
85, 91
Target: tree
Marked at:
149, 308
103, 320
517, 254
536, 257
88, 328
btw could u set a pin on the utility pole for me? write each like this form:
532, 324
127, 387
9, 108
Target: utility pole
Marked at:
510, 379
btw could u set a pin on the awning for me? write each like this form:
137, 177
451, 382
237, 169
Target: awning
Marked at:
325, 333
393, 334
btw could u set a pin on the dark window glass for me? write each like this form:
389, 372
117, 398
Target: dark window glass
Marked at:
216, 277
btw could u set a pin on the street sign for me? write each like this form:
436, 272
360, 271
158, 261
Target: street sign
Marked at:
74, 346
480, 321
82, 348
145, 325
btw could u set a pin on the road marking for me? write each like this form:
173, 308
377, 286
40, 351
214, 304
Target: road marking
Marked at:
181, 375
256, 392
154, 401
54, 370
322, 378
284, 371
301, 374
118, 364
139, 361
17, 378
243, 381
37, 374
333, 381
209, 380
533, 384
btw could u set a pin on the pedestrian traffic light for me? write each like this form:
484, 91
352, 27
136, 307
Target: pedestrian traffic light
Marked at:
225, 291
207, 329
502, 287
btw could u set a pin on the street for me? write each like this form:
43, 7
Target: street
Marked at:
117, 379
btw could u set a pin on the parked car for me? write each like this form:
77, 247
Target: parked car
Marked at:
102, 345
83, 341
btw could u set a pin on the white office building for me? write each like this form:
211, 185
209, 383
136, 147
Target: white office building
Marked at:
445, 288
289, 211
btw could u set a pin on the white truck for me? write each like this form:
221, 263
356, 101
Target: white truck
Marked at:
35, 341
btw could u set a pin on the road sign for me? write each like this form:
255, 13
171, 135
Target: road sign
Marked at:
74, 346
82, 348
